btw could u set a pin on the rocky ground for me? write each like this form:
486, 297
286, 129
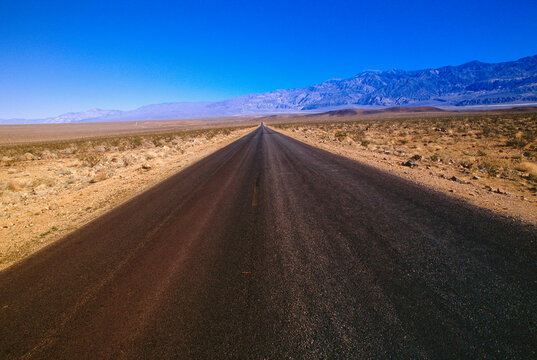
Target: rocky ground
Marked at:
49, 190
490, 161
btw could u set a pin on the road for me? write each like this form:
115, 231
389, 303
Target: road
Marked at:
270, 248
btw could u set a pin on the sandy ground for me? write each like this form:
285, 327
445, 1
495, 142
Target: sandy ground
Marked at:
43, 199
510, 200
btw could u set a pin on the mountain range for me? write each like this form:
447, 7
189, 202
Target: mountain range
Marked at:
472, 83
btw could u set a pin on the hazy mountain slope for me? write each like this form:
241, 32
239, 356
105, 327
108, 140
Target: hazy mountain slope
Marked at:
473, 83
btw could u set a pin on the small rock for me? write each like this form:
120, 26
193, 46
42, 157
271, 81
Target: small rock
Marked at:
475, 177
451, 190
500, 191
488, 188
410, 163
40, 190
454, 178
146, 166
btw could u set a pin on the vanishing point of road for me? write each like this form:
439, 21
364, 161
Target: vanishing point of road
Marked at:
271, 249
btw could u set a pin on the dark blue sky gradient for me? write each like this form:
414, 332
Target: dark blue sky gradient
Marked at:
59, 56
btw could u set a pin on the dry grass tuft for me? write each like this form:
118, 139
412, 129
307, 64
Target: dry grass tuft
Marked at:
529, 167
14, 185
91, 159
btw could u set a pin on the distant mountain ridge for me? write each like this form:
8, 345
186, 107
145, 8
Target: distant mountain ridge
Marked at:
472, 83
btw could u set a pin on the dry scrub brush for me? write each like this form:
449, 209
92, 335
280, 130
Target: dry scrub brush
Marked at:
90, 151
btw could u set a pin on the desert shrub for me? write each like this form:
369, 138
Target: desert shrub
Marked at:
357, 135
492, 165
129, 159
530, 168
529, 136
7, 161
90, 159
340, 135
517, 140
64, 171
467, 164
156, 141
210, 134
486, 130
135, 142
48, 181
14, 185
115, 141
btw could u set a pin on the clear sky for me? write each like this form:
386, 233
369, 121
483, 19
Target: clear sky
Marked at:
60, 56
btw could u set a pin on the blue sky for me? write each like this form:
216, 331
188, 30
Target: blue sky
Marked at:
60, 56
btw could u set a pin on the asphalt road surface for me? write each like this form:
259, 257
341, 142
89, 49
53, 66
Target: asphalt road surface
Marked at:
270, 248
